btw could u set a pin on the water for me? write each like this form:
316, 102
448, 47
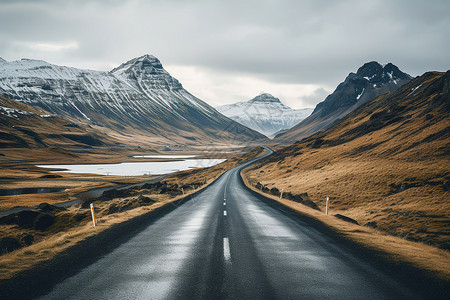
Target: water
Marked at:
137, 168
41, 190
165, 156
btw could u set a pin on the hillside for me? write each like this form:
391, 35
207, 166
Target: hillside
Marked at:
139, 98
265, 114
385, 165
24, 126
371, 80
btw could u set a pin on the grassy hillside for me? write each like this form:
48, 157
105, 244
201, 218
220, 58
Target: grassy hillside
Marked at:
386, 165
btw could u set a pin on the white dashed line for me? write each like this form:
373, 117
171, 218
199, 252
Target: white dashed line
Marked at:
224, 212
226, 250
224, 203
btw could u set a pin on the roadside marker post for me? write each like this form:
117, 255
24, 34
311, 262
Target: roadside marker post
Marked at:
281, 195
328, 205
94, 221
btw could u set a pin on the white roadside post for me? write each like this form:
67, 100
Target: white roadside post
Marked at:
281, 195
328, 205
94, 221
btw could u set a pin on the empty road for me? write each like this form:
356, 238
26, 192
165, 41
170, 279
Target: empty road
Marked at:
226, 243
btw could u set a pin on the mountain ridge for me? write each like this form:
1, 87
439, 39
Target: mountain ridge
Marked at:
371, 80
264, 113
139, 95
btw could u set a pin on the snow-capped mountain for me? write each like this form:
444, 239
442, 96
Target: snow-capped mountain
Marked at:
370, 81
265, 114
139, 94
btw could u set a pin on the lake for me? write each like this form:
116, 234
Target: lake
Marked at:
137, 168
168, 156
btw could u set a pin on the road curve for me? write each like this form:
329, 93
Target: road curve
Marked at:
226, 243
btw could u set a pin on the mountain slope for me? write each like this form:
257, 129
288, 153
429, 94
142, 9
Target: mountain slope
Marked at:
137, 96
24, 126
265, 114
370, 81
384, 165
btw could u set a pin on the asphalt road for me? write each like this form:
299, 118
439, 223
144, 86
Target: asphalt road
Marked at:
226, 243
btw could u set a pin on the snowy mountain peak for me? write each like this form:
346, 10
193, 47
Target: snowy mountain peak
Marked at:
265, 98
265, 114
148, 71
376, 73
2, 60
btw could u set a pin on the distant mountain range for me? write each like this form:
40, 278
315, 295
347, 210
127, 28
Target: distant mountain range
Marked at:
138, 96
265, 114
371, 80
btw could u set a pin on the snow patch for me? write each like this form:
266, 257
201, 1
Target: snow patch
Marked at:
359, 96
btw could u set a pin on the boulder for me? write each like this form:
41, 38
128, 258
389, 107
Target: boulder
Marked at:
346, 219
45, 207
9, 244
25, 218
28, 240
43, 221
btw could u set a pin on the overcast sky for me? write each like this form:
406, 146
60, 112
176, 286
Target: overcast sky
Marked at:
225, 51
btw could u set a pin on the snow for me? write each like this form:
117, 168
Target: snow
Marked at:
13, 112
125, 90
413, 90
267, 117
359, 96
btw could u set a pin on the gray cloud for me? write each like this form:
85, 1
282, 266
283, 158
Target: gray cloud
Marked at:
282, 41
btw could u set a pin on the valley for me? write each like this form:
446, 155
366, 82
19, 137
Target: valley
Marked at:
377, 147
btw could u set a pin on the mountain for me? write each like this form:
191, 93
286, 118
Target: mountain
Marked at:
265, 114
24, 126
385, 165
371, 80
139, 97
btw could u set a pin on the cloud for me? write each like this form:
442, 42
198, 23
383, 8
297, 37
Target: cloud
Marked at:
283, 43
223, 88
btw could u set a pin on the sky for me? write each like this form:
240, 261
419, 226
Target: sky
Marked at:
229, 51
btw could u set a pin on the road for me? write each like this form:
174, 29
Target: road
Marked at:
226, 243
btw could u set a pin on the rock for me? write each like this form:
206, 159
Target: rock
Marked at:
25, 218
275, 191
112, 194
45, 207
144, 199
346, 219
43, 221
51, 176
310, 204
9, 244
28, 240
372, 224
10, 219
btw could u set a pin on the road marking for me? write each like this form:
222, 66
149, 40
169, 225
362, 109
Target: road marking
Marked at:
226, 250
224, 212
224, 203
